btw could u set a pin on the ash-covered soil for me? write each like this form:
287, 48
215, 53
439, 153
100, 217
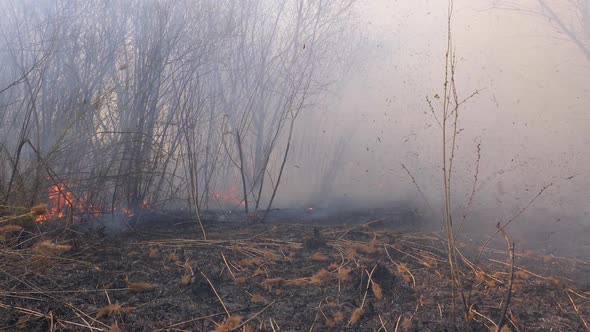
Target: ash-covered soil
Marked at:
278, 277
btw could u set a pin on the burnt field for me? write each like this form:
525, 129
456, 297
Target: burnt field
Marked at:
369, 271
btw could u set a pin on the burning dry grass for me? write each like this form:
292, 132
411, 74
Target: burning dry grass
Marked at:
39, 209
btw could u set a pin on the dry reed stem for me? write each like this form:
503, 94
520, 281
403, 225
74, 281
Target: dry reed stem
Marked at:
503, 316
383, 324
216, 294
228, 268
577, 310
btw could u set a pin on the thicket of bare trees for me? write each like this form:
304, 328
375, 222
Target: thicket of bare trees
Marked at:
127, 103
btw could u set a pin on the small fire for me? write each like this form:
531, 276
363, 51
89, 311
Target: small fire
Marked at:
128, 212
232, 197
61, 200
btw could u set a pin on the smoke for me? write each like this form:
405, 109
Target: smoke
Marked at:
528, 118
190, 104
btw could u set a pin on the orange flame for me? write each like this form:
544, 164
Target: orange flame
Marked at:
232, 197
61, 200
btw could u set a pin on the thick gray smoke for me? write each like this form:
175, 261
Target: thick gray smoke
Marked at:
279, 103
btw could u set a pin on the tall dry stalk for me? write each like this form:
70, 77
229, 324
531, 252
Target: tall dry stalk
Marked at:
448, 124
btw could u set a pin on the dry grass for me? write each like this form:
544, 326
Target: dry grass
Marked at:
10, 229
257, 298
321, 278
49, 248
186, 279
269, 283
39, 209
377, 291
249, 262
344, 274
299, 282
356, 316
229, 324
240, 281
140, 287
113, 310
319, 257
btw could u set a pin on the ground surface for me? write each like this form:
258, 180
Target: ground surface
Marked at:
277, 277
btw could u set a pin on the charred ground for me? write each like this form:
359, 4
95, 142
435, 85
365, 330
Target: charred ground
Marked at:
377, 275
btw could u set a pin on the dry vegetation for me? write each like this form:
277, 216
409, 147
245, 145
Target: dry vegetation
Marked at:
266, 279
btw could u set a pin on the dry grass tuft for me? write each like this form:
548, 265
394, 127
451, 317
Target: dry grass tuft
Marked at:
548, 259
114, 327
39, 209
10, 229
344, 274
321, 278
351, 254
133, 254
299, 282
319, 257
377, 291
229, 324
522, 275
554, 281
270, 256
356, 316
186, 279
154, 253
330, 323
404, 272
367, 248
429, 262
112, 310
407, 324
140, 287
174, 258
480, 276
248, 262
269, 283
257, 298
49, 248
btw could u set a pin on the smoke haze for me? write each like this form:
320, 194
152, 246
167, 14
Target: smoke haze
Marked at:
530, 117
227, 80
